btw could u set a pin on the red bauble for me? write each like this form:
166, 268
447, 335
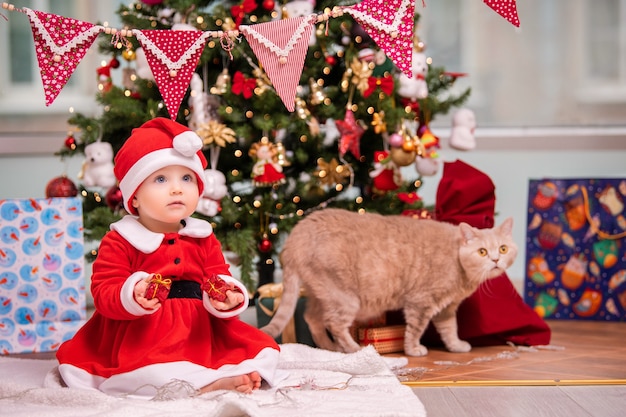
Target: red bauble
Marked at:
331, 60
268, 4
114, 63
113, 198
61, 187
152, 2
265, 245
70, 142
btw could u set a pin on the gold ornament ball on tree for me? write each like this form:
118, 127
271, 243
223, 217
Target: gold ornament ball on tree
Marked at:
129, 55
401, 157
408, 146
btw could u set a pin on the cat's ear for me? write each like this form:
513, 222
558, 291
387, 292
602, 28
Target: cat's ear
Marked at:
507, 226
467, 232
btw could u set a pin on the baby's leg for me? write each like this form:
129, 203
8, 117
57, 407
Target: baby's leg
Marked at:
241, 383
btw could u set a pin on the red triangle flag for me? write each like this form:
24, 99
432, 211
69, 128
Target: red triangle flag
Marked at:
172, 56
60, 45
506, 9
281, 47
390, 24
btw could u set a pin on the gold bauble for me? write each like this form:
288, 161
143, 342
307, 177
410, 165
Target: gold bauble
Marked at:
222, 83
402, 158
408, 146
129, 55
317, 93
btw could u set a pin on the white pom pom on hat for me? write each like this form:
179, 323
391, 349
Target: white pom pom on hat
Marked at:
156, 144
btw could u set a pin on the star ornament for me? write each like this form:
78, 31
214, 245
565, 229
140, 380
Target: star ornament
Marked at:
351, 133
331, 173
216, 133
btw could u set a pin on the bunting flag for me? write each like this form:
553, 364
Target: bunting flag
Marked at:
60, 45
506, 9
281, 47
390, 24
172, 56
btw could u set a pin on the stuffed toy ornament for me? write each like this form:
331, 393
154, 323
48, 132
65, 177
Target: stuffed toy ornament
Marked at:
415, 88
427, 166
462, 133
142, 67
214, 190
97, 169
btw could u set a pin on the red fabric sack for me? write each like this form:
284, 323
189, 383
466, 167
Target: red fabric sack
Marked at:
495, 313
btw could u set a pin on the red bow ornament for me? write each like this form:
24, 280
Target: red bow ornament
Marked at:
243, 85
385, 83
239, 11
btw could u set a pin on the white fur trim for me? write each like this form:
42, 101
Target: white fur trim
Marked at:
143, 383
127, 295
137, 235
187, 143
147, 241
75, 377
152, 162
231, 313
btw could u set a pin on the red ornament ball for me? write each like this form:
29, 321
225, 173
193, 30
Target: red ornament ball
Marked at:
61, 187
114, 63
331, 60
265, 245
70, 142
152, 2
113, 198
268, 4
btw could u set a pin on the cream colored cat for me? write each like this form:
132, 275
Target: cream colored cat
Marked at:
358, 266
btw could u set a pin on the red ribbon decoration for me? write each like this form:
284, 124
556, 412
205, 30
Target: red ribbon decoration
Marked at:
385, 84
243, 85
239, 10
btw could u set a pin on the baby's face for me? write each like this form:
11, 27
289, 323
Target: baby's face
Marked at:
166, 197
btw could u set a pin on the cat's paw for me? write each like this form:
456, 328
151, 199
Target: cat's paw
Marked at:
416, 350
459, 346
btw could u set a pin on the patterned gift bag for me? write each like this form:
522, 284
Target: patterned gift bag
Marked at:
575, 253
42, 286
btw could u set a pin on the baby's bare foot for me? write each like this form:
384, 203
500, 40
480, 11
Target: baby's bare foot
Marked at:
241, 383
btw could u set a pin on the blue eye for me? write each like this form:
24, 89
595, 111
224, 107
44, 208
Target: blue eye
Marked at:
188, 178
160, 178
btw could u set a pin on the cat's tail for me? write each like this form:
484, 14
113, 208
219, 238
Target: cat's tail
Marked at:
287, 306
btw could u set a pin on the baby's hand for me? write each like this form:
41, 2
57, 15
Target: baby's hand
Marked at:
139, 293
233, 299
222, 294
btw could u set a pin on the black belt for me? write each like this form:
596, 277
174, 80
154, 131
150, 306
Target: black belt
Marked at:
185, 289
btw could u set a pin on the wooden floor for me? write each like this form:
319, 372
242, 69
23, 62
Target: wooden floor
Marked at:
581, 373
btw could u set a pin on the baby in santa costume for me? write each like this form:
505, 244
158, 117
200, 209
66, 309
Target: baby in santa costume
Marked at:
166, 306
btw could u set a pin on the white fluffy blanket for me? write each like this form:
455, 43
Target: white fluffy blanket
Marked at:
321, 383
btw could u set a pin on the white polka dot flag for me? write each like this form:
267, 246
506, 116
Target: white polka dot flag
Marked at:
60, 45
390, 24
506, 9
172, 56
281, 47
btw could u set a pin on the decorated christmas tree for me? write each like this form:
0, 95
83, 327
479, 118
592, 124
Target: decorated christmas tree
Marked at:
300, 105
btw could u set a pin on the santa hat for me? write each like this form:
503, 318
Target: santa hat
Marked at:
465, 194
157, 144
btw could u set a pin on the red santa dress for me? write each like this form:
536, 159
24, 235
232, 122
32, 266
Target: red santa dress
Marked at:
126, 350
